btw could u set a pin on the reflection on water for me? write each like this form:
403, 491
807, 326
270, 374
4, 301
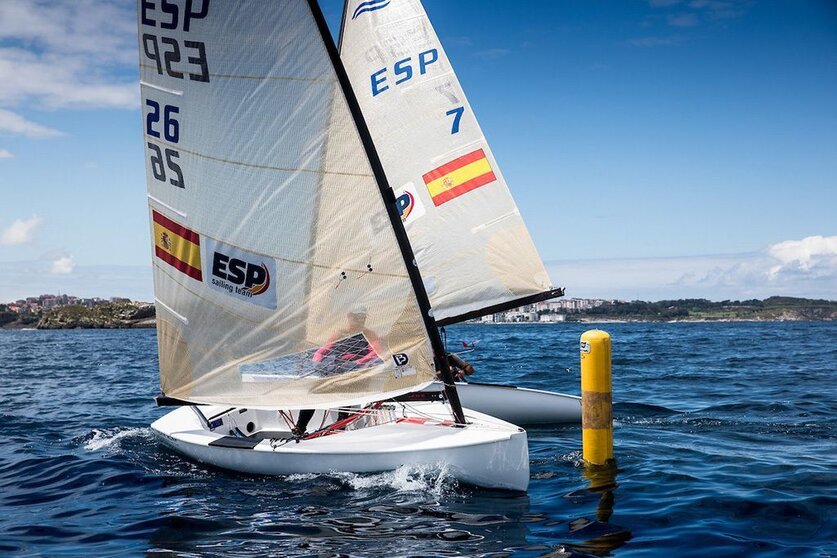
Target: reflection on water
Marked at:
599, 536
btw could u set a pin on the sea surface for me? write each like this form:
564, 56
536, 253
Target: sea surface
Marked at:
726, 445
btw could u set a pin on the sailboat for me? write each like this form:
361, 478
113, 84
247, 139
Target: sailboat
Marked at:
474, 251
284, 279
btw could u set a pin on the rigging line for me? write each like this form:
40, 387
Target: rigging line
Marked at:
288, 420
435, 417
475, 426
335, 426
322, 422
266, 78
254, 165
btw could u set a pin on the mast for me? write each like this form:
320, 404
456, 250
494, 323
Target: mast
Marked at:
439, 354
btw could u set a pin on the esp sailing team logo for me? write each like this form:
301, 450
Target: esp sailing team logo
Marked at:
408, 204
241, 274
369, 6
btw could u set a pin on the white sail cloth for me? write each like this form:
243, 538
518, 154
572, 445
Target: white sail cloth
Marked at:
273, 254
471, 244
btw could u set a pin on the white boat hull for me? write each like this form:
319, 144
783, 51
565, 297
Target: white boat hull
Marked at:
516, 405
488, 452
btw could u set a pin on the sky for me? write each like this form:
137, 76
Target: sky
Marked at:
656, 148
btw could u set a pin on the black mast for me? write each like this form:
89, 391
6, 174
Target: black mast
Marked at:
439, 354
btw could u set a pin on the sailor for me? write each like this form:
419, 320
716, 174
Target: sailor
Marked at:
349, 348
459, 367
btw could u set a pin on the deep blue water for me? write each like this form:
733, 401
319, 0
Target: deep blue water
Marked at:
726, 442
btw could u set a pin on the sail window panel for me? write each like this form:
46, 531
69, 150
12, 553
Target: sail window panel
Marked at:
277, 243
471, 244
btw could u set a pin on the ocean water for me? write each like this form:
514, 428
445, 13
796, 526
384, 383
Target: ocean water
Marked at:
726, 444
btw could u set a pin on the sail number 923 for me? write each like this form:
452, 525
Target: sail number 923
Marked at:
168, 53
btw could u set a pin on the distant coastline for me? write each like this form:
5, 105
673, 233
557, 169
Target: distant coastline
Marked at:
773, 309
67, 312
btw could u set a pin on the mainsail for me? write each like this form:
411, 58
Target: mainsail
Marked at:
278, 275
473, 249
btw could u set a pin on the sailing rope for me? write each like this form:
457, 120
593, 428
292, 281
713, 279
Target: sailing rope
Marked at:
342, 424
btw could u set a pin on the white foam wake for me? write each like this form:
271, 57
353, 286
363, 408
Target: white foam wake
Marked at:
105, 438
427, 479
435, 480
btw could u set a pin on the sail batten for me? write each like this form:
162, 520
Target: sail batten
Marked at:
471, 244
279, 279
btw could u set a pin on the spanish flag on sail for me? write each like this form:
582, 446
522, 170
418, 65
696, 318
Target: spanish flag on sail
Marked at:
177, 246
459, 176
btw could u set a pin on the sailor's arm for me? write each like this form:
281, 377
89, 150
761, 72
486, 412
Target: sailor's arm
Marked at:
460, 367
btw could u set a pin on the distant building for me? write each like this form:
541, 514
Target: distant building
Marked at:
35, 304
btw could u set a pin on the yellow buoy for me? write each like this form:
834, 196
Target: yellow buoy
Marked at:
596, 398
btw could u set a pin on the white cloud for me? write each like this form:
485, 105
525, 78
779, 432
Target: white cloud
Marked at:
683, 20
492, 53
60, 80
13, 123
21, 231
804, 268
647, 42
697, 11
105, 30
6, 154
721, 9
68, 53
62, 265
814, 255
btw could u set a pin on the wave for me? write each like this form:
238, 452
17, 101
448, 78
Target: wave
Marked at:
102, 439
646, 410
434, 480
